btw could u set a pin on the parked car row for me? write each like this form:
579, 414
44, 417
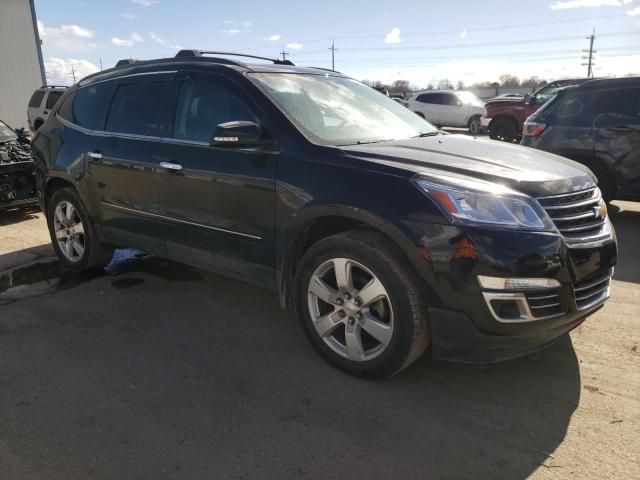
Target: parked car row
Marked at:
451, 108
505, 116
598, 125
386, 236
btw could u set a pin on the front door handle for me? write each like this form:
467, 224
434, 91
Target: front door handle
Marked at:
95, 155
171, 166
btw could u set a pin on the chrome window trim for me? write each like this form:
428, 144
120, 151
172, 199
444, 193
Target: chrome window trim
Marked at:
176, 141
158, 72
176, 220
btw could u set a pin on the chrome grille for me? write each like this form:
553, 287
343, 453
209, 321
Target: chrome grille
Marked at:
545, 303
575, 214
592, 291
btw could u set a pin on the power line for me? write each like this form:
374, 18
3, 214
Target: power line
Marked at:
481, 44
445, 32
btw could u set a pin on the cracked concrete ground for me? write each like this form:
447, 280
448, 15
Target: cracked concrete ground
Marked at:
156, 370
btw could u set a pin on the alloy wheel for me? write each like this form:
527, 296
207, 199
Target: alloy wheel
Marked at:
69, 231
350, 309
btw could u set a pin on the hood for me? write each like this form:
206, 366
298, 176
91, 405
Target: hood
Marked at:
524, 169
505, 101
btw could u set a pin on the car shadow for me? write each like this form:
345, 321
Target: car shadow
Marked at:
626, 221
134, 375
17, 215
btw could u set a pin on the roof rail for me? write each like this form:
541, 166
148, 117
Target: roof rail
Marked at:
126, 61
199, 53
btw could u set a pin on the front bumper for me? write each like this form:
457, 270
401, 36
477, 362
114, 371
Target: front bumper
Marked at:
18, 203
485, 121
456, 338
465, 327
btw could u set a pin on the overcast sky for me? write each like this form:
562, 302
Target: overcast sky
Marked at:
421, 41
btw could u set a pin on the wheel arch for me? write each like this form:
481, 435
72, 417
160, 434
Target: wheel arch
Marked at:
53, 184
322, 222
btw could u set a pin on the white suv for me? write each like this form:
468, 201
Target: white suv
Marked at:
41, 103
449, 108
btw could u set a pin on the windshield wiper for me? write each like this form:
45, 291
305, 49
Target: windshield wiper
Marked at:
428, 134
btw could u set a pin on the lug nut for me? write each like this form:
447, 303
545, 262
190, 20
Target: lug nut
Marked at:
351, 321
357, 302
347, 296
341, 314
340, 301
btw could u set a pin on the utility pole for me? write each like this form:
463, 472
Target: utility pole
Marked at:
73, 73
284, 55
333, 54
100, 63
591, 51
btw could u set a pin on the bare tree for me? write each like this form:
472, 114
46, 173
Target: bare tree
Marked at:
445, 84
509, 81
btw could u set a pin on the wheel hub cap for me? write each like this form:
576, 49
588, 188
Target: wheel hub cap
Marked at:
350, 309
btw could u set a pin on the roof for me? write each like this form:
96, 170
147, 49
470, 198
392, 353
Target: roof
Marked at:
180, 61
611, 82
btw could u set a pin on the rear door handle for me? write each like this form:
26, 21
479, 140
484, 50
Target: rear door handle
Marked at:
95, 155
171, 166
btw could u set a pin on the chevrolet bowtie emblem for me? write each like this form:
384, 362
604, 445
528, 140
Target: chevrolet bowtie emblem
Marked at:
600, 211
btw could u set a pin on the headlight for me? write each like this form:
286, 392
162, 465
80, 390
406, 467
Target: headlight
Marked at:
468, 201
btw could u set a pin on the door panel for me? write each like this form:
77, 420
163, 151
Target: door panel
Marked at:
218, 208
122, 163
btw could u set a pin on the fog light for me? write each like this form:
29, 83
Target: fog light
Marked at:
498, 283
506, 309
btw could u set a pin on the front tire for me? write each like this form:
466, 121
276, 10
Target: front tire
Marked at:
504, 129
474, 125
360, 305
73, 234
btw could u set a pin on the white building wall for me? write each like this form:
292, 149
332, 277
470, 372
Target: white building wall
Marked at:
20, 64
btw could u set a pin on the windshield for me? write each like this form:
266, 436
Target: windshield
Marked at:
545, 93
468, 98
6, 134
340, 111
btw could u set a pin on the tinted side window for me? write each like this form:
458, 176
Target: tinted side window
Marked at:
36, 98
582, 108
433, 98
202, 107
449, 99
52, 99
140, 109
86, 106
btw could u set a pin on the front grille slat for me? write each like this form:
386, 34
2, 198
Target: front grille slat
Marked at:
576, 214
545, 304
592, 291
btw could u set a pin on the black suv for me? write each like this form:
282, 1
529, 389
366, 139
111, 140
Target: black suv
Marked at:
598, 125
385, 235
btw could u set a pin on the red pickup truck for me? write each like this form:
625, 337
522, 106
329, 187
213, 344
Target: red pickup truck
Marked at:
504, 117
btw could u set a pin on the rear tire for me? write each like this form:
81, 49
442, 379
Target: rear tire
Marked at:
504, 129
73, 235
372, 326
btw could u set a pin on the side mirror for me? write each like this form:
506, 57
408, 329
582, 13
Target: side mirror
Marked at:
527, 98
239, 134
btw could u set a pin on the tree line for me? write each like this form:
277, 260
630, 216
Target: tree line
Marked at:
505, 81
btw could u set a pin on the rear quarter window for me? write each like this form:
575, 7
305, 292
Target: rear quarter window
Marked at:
52, 99
87, 106
140, 109
36, 99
